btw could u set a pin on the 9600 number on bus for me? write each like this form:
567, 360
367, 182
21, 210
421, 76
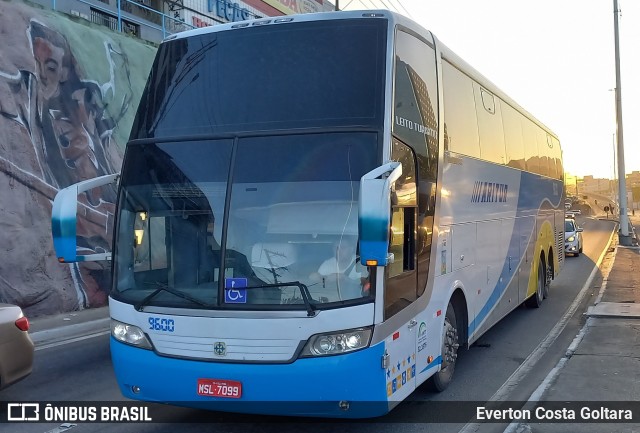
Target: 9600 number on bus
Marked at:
159, 324
219, 388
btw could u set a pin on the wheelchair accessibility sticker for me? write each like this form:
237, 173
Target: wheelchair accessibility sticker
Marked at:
234, 290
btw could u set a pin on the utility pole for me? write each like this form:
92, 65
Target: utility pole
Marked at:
614, 166
338, 5
624, 236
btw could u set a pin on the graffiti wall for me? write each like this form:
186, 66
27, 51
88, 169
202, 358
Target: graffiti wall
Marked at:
68, 94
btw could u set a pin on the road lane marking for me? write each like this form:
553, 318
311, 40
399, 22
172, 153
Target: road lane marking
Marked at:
72, 340
519, 374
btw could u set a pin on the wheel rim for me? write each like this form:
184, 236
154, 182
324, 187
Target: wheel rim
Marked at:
450, 346
547, 282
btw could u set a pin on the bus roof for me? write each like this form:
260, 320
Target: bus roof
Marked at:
395, 19
319, 16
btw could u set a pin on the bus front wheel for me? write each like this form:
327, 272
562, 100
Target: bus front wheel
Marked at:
450, 345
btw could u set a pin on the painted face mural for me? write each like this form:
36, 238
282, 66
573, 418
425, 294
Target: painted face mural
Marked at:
49, 60
58, 126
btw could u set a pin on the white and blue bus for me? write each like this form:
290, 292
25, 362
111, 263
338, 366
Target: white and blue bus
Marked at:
316, 213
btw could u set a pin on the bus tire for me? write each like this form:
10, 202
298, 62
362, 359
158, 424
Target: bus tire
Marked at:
535, 301
547, 281
450, 345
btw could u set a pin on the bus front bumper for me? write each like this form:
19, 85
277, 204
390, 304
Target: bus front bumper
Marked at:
343, 386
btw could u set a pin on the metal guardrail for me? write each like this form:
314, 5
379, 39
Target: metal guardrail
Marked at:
169, 25
127, 18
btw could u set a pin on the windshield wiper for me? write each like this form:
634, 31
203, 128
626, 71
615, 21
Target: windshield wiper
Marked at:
164, 288
304, 291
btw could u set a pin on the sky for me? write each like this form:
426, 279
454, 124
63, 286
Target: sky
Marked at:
553, 57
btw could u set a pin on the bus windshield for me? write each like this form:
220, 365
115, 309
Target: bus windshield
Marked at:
199, 217
299, 75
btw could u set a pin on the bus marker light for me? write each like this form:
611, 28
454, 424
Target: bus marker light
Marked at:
439, 313
396, 335
430, 359
372, 263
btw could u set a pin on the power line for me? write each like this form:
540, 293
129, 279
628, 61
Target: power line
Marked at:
405, 9
359, 1
373, 4
347, 5
390, 6
387, 6
362, 5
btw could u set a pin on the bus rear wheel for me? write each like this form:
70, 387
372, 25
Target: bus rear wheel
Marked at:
450, 345
547, 282
536, 300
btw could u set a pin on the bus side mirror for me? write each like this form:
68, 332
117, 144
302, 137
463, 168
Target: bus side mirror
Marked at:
374, 217
64, 220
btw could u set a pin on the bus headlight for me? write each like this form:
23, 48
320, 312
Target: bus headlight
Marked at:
571, 238
129, 334
335, 343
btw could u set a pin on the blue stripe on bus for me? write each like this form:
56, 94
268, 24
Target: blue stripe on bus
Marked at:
534, 191
311, 386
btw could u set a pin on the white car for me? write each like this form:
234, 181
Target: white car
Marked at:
572, 237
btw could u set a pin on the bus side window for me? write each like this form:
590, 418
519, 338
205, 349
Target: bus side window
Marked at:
532, 158
150, 250
460, 112
490, 129
513, 137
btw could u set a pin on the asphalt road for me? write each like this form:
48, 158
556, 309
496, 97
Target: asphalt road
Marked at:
509, 362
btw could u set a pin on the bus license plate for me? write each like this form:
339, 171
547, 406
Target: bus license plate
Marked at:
219, 388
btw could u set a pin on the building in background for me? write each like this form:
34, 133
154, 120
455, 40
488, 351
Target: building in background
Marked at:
597, 186
587, 185
69, 90
633, 190
153, 20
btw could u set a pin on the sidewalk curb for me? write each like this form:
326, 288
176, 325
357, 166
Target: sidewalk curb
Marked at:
542, 390
616, 310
